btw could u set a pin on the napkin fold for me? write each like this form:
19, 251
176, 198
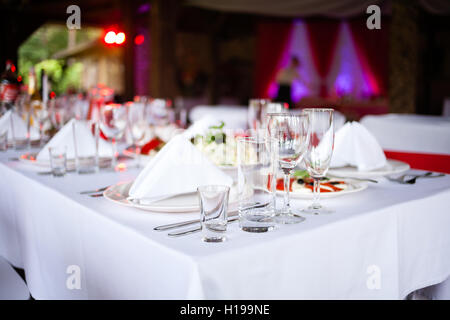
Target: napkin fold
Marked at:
178, 168
85, 142
20, 127
354, 145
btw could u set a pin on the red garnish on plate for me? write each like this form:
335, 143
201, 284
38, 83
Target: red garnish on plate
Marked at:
151, 145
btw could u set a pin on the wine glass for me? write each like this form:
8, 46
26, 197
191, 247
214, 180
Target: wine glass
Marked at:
113, 122
292, 134
139, 127
320, 150
41, 114
256, 113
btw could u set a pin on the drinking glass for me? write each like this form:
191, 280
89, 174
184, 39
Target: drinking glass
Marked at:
20, 124
292, 134
159, 109
113, 122
41, 115
4, 141
320, 150
256, 187
86, 146
213, 211
256, 113
58, 160
139, 127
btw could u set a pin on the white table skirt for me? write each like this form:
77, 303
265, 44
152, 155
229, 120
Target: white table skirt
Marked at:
398, 234
410, 132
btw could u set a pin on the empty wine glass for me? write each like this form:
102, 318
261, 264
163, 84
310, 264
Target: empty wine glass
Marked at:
113, 122
256, 113
320, 150
292, 134
41, 114
139, 127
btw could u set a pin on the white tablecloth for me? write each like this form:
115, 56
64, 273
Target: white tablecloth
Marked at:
410, 132
381, 243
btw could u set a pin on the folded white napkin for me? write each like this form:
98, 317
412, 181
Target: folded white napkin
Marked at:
20, 127
178, 168
85, 142
354, 145
201, 126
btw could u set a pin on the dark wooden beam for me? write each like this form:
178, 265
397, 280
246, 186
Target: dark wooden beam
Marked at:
163, 18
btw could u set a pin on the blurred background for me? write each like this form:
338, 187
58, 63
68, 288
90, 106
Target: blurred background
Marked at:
224, 52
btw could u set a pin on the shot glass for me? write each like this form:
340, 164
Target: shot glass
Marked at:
4, 141
58, 160
213, 212
86, 145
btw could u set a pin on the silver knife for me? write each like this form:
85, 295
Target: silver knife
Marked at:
190, 231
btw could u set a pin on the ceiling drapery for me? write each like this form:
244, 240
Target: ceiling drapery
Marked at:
304, 8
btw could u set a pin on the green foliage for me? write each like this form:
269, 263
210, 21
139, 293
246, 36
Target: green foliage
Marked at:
39, 48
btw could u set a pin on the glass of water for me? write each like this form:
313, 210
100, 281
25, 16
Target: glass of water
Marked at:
86, 146
213, 212
58, 160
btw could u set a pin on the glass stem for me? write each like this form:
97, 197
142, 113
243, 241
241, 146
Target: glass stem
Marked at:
138, 152
316, 194
287, 185
114, 155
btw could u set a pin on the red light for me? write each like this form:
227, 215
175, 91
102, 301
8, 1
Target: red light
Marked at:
110, 37
52, 95
19, 78
139, 39
120, 38
13, 68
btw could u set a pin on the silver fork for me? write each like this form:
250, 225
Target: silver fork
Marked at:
413, 179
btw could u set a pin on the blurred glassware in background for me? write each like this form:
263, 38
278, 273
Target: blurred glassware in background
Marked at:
257, 113
58, 160
160, 111
86, 149
320, 150
139, 128
256, 169
113, 123
20, 124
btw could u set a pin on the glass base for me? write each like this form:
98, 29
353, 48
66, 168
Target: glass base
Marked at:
214, 239
317, 209
291, 217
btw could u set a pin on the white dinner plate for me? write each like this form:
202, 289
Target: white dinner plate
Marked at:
30, 158
353, 186
119, 193
392, 167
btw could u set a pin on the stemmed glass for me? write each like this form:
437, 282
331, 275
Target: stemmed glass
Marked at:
256, 113
41, 114
320, 150
292, 134
138, 126
113, 122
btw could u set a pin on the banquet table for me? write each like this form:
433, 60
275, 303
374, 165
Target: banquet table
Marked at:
381, 243
422, 141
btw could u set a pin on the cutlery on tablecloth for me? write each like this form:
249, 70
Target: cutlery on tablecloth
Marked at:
189, 222
97, 195
94, 191
413, 178
352, 178
190, 231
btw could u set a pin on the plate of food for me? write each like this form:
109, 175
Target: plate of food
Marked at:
302, 186
392, 167
188, 202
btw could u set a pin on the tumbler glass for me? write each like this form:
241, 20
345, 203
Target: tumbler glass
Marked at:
58, 160
213, 211
256, 186
86, 145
